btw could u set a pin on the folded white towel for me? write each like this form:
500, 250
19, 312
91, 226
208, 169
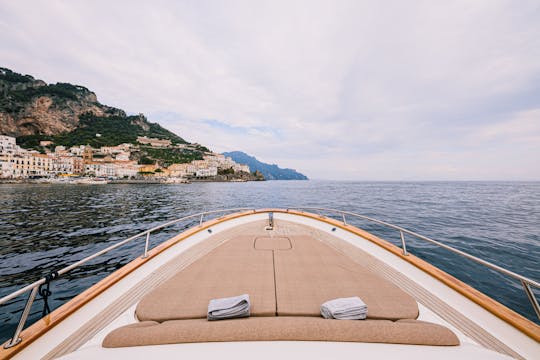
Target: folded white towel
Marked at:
227, 308
352, 308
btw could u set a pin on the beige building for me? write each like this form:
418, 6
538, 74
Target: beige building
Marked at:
26, 165
182, 170
153, 141
88, 155
16, 162
148, 168
78, 165
115, 149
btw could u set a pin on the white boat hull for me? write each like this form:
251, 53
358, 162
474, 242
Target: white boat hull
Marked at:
79, 335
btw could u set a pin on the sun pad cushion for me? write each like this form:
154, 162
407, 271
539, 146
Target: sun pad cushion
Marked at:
281, 329
313, 273
231, 269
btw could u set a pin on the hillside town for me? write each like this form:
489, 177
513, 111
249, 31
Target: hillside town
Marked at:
108, 162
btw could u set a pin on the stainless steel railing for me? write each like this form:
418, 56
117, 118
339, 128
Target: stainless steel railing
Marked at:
33, 287
525, 281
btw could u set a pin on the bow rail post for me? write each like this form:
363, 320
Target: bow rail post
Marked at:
16, 339
403, 245
145, 255
532, 297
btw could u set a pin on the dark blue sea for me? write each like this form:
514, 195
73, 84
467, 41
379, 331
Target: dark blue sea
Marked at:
46, 227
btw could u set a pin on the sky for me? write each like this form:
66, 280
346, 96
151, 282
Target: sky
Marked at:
344, 90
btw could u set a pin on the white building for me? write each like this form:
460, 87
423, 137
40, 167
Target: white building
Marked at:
8, 145
122, 156
64, 164
222, 162
211, 171
126, 170
112, 170
60, 150
77, 150
100, 169
241, 168
6, 167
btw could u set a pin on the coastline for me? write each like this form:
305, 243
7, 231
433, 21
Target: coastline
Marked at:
162, 181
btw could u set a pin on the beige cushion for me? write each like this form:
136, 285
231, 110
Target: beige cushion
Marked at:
232, 269
306, 276
313, 273
281, 328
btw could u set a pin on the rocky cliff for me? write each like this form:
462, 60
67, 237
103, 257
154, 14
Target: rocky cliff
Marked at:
68, 115
32, 107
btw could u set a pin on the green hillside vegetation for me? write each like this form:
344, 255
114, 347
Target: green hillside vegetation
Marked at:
114, 130
166, 157
13, 77
62, 90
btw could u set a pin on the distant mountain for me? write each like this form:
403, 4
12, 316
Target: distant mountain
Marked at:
270, 172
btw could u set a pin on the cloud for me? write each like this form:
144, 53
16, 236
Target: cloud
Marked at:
521, 128
347, 89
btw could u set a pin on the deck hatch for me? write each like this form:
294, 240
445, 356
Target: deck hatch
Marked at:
272, 243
